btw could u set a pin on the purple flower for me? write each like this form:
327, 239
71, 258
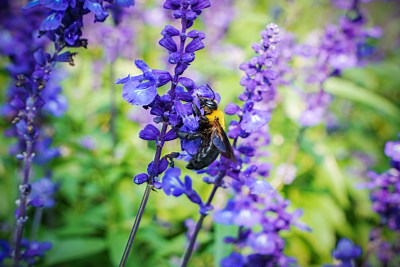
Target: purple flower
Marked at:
316, 108
346, 251
32, 250
142, 89
5, 250
88, 142
262, 243
172, 185
150, 132
233, 260
140, 178
385, 196
392, 150
42, 193
345, 45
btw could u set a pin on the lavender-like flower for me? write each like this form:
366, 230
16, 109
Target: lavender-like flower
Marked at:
343, 46
385, 198
167, 109
346, 252
254, 202
33, 91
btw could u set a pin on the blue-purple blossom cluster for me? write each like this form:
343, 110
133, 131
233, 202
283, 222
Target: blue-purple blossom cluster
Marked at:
346, 252
64, 23
255, 204
35, 91
32, 251
168, 109
268, 210
385, 198
342, 46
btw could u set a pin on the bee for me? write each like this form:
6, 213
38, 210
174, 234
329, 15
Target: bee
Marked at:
211, 131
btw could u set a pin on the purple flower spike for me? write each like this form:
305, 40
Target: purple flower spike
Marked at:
346, 250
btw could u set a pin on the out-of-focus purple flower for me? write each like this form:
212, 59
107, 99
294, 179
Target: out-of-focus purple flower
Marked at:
42, 194
385, 198
346, 251
44, 151
88, 142
5, 250
343, 46
262, 243
385, 193
32, 250
142, 89
286, 172
347, 4
316, 108
269, 213
233, 260
392, 150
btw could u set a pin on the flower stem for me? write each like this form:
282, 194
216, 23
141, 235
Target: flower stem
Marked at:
145, 197
25, 189
135, 225
189, 250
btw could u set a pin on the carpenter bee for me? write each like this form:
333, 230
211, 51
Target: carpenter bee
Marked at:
212, 134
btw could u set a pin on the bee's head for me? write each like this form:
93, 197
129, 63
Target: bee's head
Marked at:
208, 104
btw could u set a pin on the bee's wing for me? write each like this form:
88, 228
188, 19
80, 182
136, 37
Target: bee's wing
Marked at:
221, 141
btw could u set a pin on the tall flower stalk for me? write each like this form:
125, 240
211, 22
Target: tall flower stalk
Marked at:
33, 88
384, 195
344, 45
167, 109
250, 134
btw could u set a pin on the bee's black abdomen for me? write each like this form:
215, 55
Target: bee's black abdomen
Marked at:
204, 157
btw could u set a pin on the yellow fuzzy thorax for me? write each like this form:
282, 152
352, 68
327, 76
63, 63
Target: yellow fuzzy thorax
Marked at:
217, 114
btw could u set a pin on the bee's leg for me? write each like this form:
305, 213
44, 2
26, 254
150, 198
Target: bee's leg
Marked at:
170, 157
203, 119
196, 110
188, 136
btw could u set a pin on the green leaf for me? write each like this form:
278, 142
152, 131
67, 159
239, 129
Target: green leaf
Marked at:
73, 249
116, 241
293, 104
222, 249
353, 92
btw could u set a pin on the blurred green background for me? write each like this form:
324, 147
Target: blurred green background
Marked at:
97, 200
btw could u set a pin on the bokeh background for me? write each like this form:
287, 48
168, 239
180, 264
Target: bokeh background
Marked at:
100, 150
